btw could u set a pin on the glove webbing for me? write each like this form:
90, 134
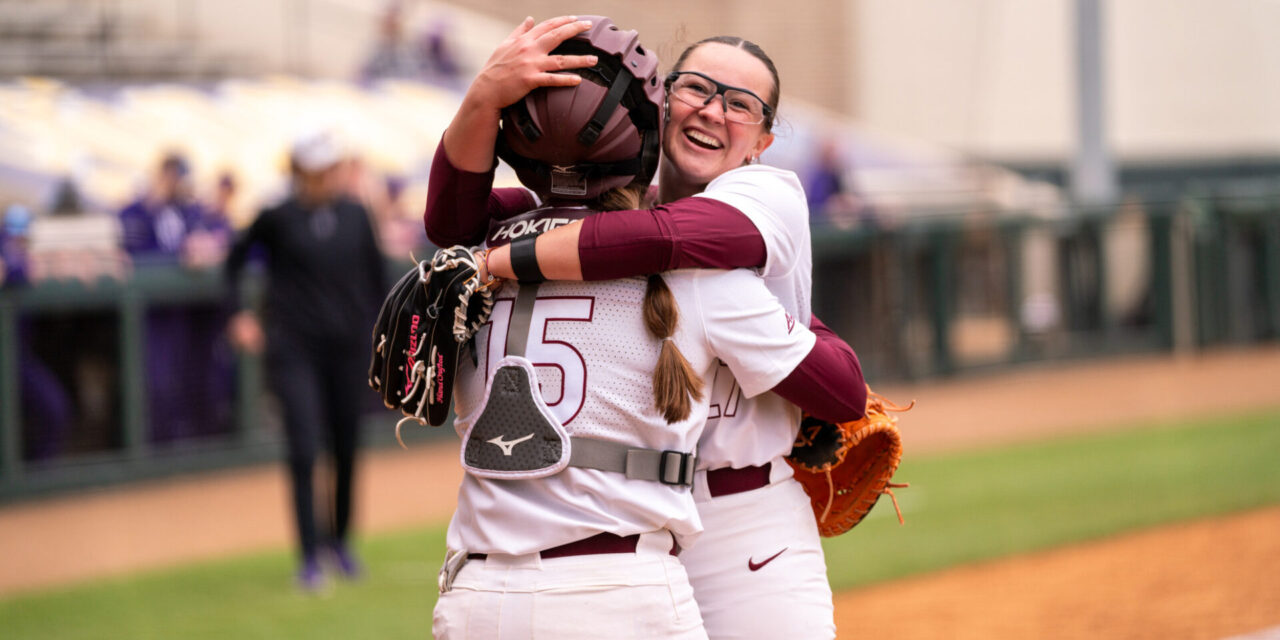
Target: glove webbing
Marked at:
879, 404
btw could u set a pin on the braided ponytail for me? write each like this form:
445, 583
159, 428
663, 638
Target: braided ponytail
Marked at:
675, 384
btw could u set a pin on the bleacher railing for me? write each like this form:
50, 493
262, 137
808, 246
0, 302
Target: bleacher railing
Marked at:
95, 342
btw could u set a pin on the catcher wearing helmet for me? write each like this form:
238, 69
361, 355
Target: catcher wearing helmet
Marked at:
761, 571
578, 449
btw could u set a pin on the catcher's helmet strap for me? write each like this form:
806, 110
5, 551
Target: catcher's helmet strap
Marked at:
591, 131
665, 466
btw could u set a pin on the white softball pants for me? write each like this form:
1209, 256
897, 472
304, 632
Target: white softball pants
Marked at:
772, 529
638, 595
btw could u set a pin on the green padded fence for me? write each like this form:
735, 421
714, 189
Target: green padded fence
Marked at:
939, 296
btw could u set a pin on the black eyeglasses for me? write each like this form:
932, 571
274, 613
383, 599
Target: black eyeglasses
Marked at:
698, 90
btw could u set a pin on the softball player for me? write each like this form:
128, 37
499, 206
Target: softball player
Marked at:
494, 513
759, 572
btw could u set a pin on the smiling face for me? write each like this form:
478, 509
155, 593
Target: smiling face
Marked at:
698, 143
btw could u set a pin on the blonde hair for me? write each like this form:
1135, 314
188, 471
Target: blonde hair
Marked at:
620, 198
675, 384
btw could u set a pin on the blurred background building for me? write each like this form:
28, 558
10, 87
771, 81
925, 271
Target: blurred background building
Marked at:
941, 145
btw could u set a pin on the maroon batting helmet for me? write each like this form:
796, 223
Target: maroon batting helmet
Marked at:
575, 143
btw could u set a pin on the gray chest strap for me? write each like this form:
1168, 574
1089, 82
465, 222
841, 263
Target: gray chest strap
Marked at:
521, 318
667, 467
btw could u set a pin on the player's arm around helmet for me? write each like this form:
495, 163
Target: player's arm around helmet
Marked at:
704, 232
760, 564
744, 212
459, 205
518, 65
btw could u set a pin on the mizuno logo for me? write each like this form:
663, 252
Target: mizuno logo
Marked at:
791, 322
756, 566
508, 446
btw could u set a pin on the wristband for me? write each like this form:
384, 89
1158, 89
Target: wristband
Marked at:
524, 261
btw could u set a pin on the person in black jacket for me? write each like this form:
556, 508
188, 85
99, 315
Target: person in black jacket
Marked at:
324, 285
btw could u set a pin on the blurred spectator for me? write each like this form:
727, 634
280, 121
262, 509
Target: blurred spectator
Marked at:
207, 243
156, 225
218, 214
324, 285
392, 57
206, 247
15, 244
46, 407
66, 200
181, 375
431, 58
832, 198
438, 62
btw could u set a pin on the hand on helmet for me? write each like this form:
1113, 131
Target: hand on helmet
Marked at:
522, 62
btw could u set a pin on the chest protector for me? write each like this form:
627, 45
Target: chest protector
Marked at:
516, 436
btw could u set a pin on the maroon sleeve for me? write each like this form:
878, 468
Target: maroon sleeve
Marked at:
828, 383
687, 233
461, 203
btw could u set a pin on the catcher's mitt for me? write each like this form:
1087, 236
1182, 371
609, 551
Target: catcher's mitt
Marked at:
426, 319
846, 467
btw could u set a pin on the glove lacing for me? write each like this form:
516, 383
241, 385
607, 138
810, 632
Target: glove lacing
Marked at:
422, 372
888, 489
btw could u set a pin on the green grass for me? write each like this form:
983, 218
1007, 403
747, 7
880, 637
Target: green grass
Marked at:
246, 597
960, 508
981, 505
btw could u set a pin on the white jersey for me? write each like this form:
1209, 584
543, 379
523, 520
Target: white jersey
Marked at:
594, 361
745, 431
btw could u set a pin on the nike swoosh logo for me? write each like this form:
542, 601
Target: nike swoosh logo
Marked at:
755, 566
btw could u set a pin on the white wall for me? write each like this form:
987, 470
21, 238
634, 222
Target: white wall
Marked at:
996, 77
1195, 76
986, 76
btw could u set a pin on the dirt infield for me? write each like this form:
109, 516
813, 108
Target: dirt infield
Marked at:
1047, 401
1209, 579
